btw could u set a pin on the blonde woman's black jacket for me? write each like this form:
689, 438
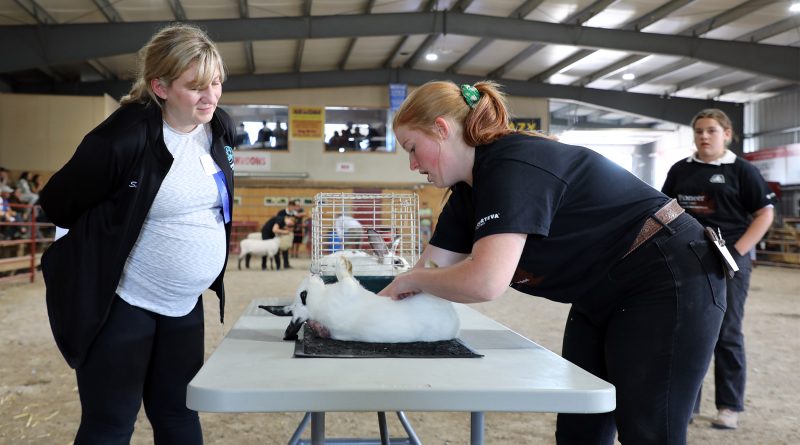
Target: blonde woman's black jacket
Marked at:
102, 195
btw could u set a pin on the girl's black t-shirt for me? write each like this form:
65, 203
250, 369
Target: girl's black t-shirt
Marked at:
580, 210
721, 196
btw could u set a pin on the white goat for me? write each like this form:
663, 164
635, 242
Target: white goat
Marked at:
347, 311
250, 246
382, 262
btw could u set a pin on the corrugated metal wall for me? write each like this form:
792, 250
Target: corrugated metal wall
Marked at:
772, 122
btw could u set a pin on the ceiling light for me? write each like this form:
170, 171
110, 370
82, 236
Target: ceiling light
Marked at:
628, 76
431, 57
794, 7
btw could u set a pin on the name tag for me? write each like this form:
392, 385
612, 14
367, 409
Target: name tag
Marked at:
719, 244
209, 167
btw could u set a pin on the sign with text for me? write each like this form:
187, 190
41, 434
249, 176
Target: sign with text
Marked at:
345, 167
526, 124
247, 161
307, 123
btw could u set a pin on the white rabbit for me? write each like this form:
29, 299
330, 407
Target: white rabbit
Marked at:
347, 311
382, 262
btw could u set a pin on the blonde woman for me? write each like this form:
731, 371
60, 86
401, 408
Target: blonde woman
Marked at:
727, 193
146, 198
564, 223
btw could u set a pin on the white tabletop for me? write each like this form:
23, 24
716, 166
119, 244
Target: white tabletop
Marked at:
254, 370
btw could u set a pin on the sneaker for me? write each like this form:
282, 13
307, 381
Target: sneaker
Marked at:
727, 419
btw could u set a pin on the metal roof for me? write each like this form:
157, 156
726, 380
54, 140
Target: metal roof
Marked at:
683, 55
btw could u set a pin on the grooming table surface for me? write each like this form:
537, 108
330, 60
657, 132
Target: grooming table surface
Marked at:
311, 345
254, 370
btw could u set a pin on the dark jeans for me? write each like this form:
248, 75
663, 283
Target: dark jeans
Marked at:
653, 338
140, 355
730, 365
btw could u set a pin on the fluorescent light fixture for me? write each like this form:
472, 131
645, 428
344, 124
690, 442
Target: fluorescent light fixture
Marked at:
794, 7
431, 57
628, 76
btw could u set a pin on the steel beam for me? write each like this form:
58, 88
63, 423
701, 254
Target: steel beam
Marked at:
34, 46
108, 10
577, 18
703, 27
636, 24
671, 109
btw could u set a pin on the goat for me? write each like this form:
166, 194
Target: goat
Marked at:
346, 311
250, 246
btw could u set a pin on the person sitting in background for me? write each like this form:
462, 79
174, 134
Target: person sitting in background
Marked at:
336, 141
242, 138
281, 137
7, 215
21, 212
264, 136
5, 180
26, 193
36, 183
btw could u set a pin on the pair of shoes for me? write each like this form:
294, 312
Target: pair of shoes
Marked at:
727, 419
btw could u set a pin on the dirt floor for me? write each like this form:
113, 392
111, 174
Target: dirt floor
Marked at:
39, 399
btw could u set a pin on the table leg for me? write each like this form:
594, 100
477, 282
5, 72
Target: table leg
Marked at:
295, 439
476, 428
318, 428
412, 435
383, 427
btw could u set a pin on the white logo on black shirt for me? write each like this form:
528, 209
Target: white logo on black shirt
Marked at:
717, 179
483, 220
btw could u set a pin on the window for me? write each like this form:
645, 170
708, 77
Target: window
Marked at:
357, 130
260, 126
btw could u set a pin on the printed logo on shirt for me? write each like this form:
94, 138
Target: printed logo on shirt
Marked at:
698, 204
524, 278
486, 218
133, 184
229, 154
770, 196
717, 179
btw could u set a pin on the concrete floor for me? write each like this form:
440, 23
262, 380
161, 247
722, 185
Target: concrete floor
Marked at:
39, 400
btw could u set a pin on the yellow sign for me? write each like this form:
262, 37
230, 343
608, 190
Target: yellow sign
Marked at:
526, 124
307, 123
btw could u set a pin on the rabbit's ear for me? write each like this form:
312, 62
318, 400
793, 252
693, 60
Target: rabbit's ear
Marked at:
344, 268
377, 244
395, 244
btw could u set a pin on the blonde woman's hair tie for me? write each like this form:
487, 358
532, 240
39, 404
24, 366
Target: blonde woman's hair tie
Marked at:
471, 95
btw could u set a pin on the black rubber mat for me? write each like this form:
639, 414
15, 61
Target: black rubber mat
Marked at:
311, 345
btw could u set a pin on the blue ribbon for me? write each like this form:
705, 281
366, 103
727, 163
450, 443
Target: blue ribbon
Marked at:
219, 178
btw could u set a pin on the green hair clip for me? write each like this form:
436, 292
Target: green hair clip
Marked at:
471, 95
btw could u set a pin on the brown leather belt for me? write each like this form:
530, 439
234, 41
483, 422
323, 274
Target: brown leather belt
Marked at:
656, 222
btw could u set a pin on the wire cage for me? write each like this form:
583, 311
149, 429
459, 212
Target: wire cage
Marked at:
378, 233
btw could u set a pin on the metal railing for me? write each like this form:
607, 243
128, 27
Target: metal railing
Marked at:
22, 239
